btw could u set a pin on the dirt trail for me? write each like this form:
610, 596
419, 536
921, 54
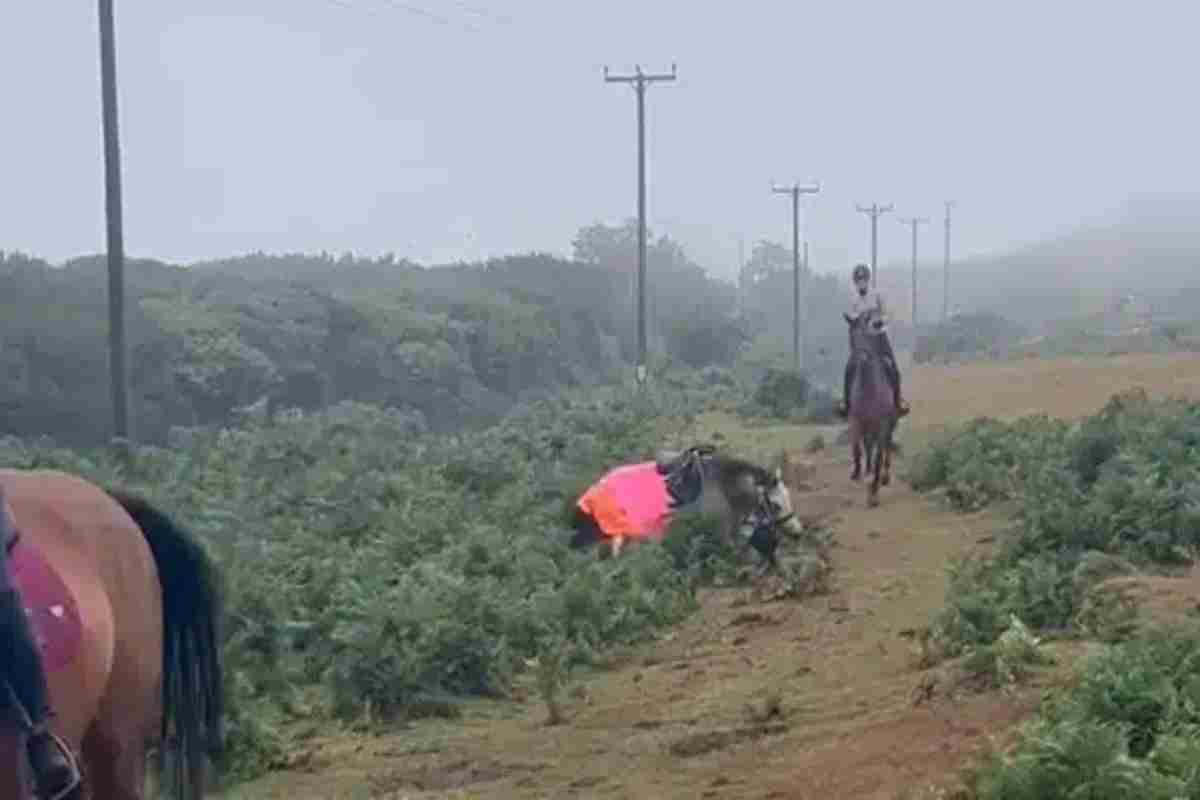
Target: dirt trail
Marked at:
673, 721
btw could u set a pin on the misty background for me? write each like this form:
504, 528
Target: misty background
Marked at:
427, 205
466, 130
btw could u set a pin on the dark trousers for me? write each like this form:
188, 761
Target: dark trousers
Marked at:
22, 667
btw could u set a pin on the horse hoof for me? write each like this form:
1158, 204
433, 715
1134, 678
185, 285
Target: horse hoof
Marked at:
885, 480
854, 476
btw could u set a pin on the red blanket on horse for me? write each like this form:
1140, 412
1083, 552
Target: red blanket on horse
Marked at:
629, 501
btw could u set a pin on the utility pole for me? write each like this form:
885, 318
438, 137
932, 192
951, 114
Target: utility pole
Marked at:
795, 190
874, 210
116, 242
808, 280
946, 267
914, 222
640, 81
741, 271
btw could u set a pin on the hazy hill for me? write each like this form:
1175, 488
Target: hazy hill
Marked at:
1151, 252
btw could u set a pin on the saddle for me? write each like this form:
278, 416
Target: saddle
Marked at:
683, 473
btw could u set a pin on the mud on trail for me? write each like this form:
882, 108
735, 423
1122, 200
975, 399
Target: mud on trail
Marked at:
751, 699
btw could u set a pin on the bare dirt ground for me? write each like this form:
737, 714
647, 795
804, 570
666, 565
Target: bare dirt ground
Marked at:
750, 699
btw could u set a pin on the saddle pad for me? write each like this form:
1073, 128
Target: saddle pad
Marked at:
631, 501
51, 608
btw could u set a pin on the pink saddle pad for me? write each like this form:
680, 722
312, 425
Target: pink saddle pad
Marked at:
49, 604
630, 500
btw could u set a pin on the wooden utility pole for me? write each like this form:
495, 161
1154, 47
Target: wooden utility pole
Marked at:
946, 266
913, 222
795, 190
874, 210
808, 284
640, 81
116, 240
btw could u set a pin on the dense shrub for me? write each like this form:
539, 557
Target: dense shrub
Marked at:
1130, 728
789, 395
377, 572
1110, 495
1123, 484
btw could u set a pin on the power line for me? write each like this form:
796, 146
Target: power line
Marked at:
874, 210
795, 190
421, 12
502, 19
640, 81
407, 8
913, 222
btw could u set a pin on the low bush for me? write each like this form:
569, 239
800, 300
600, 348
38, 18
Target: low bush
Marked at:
376, 572
1129, 728
1122, 486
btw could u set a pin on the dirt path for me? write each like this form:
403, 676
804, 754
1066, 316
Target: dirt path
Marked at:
675, 722
676, 719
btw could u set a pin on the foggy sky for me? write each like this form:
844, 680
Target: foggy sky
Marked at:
302, 125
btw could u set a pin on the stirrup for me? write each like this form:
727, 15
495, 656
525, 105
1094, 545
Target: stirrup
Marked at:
72, 762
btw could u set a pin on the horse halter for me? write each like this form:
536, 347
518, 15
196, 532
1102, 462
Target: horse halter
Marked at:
768, 512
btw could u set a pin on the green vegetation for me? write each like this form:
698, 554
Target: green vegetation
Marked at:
1110, 494
1115, 494
380, 455
1130, 728
967, 336
452, 346
791, 396
379, 572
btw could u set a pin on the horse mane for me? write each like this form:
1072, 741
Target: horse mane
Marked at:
735, 464
865, 347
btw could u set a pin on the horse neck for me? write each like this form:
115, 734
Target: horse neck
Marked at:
870, 380
726, 473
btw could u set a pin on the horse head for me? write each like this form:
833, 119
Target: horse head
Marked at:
866, 331
776, 501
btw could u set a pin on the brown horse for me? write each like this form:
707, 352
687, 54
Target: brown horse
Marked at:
873, 412
126, 608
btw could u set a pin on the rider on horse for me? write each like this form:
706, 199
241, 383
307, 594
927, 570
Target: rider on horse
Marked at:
867, 300
54, 770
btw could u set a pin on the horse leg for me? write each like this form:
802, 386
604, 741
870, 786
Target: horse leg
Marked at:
856, 449
116, 761
617, 543
731, 527
127, 722
873, 486
887, 458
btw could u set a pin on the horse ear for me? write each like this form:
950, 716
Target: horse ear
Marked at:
779, 474
847, 317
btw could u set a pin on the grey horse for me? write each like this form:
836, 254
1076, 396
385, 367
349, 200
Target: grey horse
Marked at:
736, 490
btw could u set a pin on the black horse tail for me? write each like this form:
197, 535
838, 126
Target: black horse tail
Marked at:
193, 685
